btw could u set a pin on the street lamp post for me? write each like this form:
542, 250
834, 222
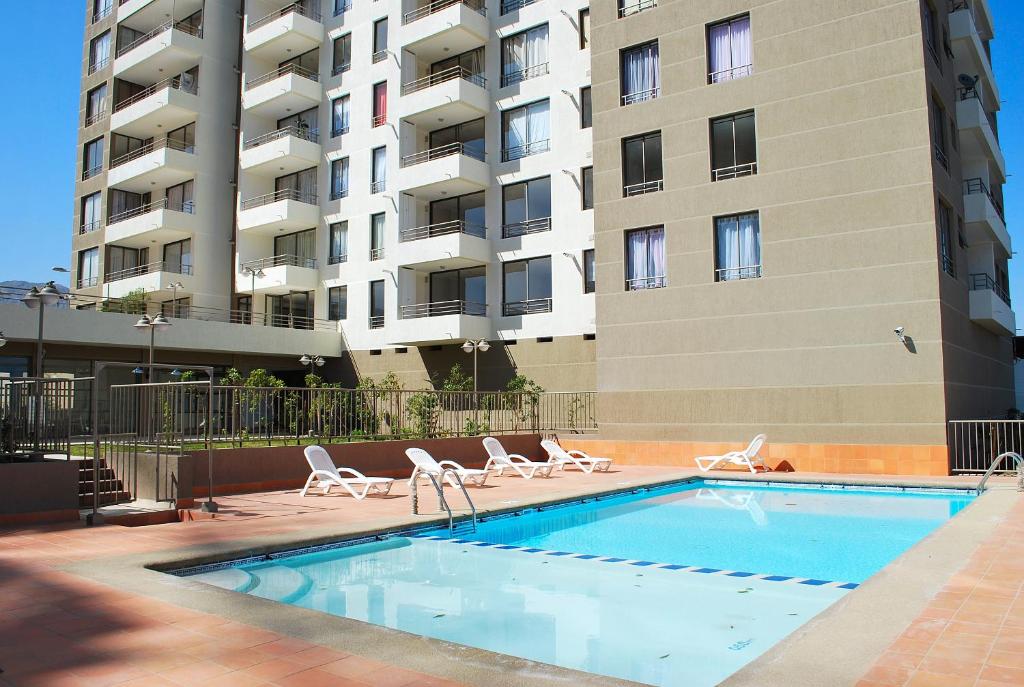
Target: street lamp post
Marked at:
254, 272
174, 286
38, 299
155, 324
473, 347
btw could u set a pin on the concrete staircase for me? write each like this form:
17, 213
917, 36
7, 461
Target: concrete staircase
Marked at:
111, 489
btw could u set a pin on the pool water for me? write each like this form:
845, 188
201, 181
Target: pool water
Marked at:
678, 586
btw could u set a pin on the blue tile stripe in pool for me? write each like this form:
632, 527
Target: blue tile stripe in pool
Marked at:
810, 582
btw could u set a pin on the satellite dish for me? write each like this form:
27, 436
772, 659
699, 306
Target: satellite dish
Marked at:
967, 81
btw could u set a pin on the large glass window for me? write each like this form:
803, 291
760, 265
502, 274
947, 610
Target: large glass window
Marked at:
526, 286
341, 111
929, 27
304, 124
125, 262
587, 178
100, 9
645, 259
376, 304
300, 186
294, 310
92, 159
99, 52
525, 130
183, 138
92, 213
337, 303
306, 64
938, 126
377, 224
179, 197
737, 247
729, 50
586, 109
526, 207
459, 291
380, 39
298, 248
88, 267
945, 223
338, 249
96, 104
380, 103
122, 205
342, 61
470, 134
589, 282
379, 169
339, 178
641, 164
524, 55
178, 257
733, 146
640, 73
469, 210
471, 62
584, 22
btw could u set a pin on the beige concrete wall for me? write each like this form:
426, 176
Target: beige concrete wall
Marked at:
846, 197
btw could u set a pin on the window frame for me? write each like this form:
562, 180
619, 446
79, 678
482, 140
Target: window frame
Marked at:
647, 185
737, 169
586, 108
337, 310
586, 172
746, 272
589, 269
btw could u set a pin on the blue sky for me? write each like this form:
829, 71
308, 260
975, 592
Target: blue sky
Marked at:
39, 156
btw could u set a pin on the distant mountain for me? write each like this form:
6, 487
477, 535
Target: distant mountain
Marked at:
12, 290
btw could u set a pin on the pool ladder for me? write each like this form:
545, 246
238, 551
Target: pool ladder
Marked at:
1018, 463
439, 487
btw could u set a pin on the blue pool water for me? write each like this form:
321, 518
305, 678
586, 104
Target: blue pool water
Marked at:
678, 586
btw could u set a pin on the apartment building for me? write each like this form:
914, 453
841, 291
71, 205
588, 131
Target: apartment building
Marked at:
799, 221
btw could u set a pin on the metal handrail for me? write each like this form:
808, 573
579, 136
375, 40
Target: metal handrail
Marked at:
520, 75
283, 194
98, 65
166, 26
941, 156
729, 74
527, 307
977, 185
642, 188
439, 308
341, 68
339, 193
442, 151
982, 281
159, 266
379, 56
641, 283
305, 133
736, 273
1019, 464
379, 120
530, 226
745, 170
442, 76
89, 227
964, 94
102, 13
455, 226
283, 71
187, 206
97, 116
378, 186
284, 260
174, 82
513, 5
525, 150
437, 6
641, 96
637, 7
294, 8
337, 259
376, 321
158, 144
472, 507
92, 171
377, 253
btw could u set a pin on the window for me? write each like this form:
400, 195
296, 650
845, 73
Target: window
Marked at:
946, 255
628, 7
526, 207
737, 247
458, 292
92, 213
337, 303
645, 259
96, 104
179, 197
300, 186
178, 257
122, 205
88, 267
513, 5
524, 55
341, 7
733, 147
293, 310
340, 113
177, 307
525, 131
586, 109
125, 262
584, 24
380, 39
938, 117
99, 52
469, 134
307, 64
303, 124
339, 178
526, 286
929, 28
298, 248
377, 236
379, 165
729, 50
243, 310
376, 304
641, 164
380, 103
342, 60
589, 285
641, 77
587, 178
461, 213
470, 63
100, 9
92, 160
183, 138
338, 248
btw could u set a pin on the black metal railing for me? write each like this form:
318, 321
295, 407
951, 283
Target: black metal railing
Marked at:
89, 227
437, 6
304, 132
528, 307
982, 281
174, 82
519, 75
294, 8
441, 308
976, 186
308, 197
530, 226
456, 226
972, 93
443, 151
283, 71
525, 150
443, 76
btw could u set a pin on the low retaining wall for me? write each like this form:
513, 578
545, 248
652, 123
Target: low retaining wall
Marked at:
39, 491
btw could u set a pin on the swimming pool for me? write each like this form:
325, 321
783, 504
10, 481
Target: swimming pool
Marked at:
678, 585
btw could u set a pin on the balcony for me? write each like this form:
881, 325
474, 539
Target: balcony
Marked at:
153, 12
450, 245
530, 226
971, 51
284, 210
525, 150
168, 49
978, 132
153, 223
278, 275
281, 152
422, 324
162, 163
164, 106
453, 95
286, 89
454, 169
533, 306
990, 306
153, 279
290, 30
983, 215
446, 27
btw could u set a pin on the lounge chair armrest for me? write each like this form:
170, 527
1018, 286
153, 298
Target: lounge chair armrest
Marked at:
325, 474
354, 473
521, 459
579, 454
450, 464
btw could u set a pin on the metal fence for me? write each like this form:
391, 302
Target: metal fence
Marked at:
42, 415
974, 444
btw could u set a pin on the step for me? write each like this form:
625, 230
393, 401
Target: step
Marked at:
89, 487
87, 475
106, 497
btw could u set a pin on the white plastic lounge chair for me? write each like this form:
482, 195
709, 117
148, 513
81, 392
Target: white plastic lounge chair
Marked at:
426, 465
748, 458
499, 460
741, 500
561, 457
326, 475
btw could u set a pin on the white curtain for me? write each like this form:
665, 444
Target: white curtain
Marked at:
91, 213
538, 124
656, 257
513, 55
102, 50
379, 164
740, 47
340, 121
637, 265
339, 239
640, 71
645, 268
537, 46
339, 176
306, 184
515, 129
739, 247
90, 266
721, 52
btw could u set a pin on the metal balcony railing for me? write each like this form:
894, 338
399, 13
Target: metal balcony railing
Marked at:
941, 156
519, 75
530, 226
89, 227
284, 194
280, 261
337, 259
640, 283
187, 206
628, 8
96, 117
443, 76
378, 186
982, 281
150, 268
440, 308
525, 150
376, 321
102, 13
456, 226
339, 131
379, 120
303, 132
98, 65
174, 82
341, 8
437, 6
158, 144
377, 253
972, 94
379, 56
339, 193
86, 282
341, 68
514, 5
744, 170
282, 71
731, 73
183, 26
734, 273
294, 8
90, 172
528, 307
640, 96
977, 185
443, 151
642, 188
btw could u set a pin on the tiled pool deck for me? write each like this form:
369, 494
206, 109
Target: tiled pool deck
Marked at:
59, 627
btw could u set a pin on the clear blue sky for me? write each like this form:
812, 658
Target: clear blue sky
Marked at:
39, 155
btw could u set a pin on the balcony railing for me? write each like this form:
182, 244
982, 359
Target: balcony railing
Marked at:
642, 188
443, 151
440, 308
948, 262
377, 253
87, 282
456, 226
379, 120
972, 94
519, 75
303, 132
941, 156
174, 82
745, 170
441, 77
734, 273
973, 186
160, 266
983, 282
342, 7
102, 13
340, 131
279, 261
339, 193
341, 68
90, 172
284, 194
89, 227
530, 307
376, 322
627, 8
98, 65
183, 26
294, 8
379, 56
188, 207
439, 5
337, 259
158, 144
641, 283
730, 74
525, 150
378, 186
640, 96
96, 117
283, 71
530, 226
514, 5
